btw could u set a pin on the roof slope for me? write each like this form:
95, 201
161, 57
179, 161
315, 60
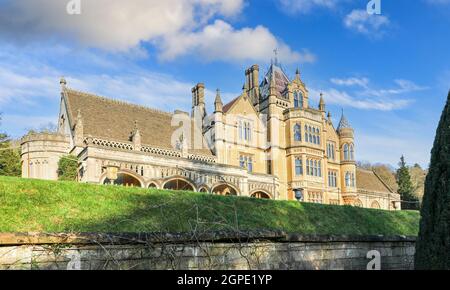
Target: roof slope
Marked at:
112, 119
369, 181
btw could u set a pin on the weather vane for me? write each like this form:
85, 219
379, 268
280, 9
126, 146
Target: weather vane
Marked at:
275, 52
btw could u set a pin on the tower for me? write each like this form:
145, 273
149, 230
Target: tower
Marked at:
348, 164
218, 133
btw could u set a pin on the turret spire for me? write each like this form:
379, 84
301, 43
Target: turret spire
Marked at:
218, 105
343, 123
321, 103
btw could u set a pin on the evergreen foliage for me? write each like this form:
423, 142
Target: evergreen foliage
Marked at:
433, 244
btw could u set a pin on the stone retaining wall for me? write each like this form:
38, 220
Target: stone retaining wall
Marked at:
218, 250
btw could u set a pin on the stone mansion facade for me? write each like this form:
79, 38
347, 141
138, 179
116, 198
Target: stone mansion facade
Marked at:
269, 142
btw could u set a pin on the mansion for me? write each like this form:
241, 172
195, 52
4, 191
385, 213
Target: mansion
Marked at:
268, 142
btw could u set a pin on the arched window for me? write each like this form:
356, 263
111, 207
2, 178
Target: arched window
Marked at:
319, 164
315, 168
352, 152
298, 99
306, 133
346, 157
298, 167
297, 132
347, 179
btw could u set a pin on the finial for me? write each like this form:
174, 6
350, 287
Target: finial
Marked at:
218, 98
62, 82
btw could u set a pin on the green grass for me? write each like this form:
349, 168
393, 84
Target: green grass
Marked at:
44, 206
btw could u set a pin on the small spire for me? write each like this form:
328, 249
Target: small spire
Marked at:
297, 73
343, 123
321, 103
218, 105
218, 99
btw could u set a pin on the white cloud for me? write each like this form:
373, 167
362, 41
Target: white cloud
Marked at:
362, 22
21, 88
220, 41
403, 87
345, 99
305, 6
362, 82
175, 27
368, 98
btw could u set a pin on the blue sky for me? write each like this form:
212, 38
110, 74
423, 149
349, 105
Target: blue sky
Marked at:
390, 72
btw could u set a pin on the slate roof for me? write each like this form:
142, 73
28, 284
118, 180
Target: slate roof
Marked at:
369, 181
115, 120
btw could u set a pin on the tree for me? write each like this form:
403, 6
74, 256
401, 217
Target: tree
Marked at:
10, 164
432, 248
418, 176
405, 187
68, 168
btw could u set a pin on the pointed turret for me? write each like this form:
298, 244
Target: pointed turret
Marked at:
321, 103
218, 105
297, 74
343, 123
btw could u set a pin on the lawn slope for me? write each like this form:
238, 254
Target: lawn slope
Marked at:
45, 206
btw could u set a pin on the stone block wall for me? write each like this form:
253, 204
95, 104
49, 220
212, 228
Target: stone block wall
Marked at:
222, 251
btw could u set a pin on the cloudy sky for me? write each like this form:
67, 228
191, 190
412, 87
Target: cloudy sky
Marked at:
390, 73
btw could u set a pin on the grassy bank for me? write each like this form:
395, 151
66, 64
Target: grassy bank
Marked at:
45, 206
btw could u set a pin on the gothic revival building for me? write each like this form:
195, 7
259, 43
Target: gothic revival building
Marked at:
269, 142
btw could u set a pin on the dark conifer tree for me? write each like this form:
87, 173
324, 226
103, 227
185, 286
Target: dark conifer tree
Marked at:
433, 244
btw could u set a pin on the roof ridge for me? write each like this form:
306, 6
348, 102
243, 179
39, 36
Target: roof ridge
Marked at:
121, 102
382, 181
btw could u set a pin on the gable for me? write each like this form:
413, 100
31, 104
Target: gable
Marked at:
241, 106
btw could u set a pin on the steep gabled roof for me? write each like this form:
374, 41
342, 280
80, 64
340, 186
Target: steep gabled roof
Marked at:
115, 120
343, 123
228, 106
369, 181
281, 80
